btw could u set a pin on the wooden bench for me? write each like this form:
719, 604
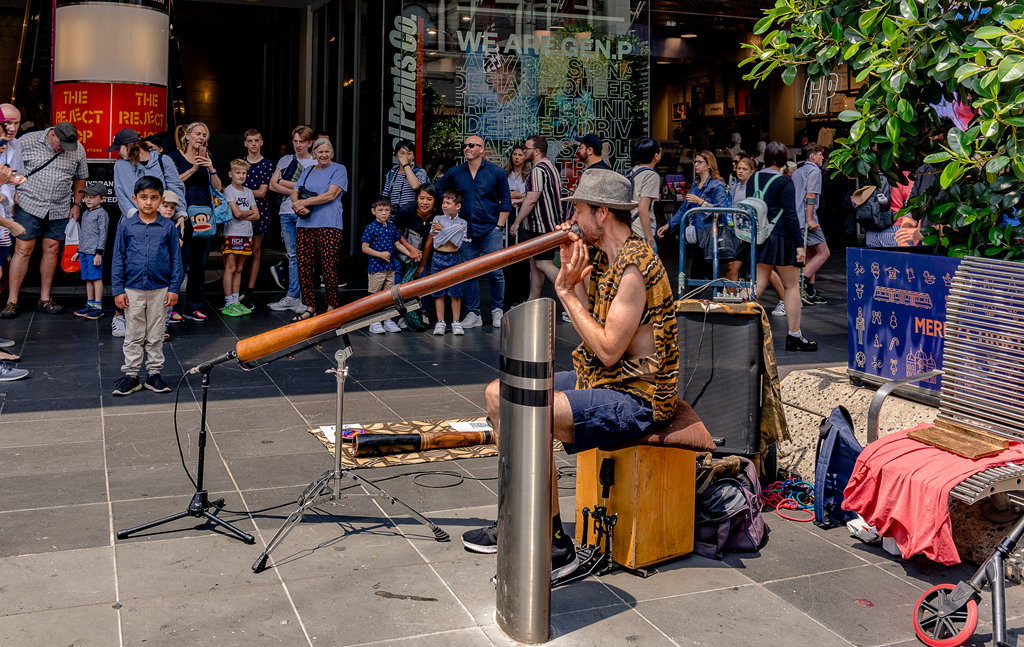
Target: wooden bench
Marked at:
983, 371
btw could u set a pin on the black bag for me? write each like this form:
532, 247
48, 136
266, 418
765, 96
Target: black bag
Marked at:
728, 243
834, 460
874, 214
728, 515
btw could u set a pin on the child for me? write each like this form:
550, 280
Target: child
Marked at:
379, 241
91, 243
448, 231
257, 178
237, 237
171, 209
144, 285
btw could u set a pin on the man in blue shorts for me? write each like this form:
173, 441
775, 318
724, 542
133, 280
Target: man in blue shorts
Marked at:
624, 380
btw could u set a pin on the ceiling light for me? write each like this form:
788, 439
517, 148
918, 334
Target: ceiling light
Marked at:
465, 19
688, 35
432, 32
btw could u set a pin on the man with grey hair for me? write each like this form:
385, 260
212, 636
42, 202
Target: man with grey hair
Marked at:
624, 380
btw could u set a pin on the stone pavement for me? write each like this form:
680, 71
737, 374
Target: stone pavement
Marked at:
77, 464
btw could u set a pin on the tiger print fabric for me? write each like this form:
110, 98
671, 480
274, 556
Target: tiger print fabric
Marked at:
628, 375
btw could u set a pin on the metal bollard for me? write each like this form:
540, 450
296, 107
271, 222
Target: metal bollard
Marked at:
524, 472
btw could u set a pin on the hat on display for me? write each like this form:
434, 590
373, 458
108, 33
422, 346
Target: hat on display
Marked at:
67, 134
592, 141
123, 137
96, 188
603, 188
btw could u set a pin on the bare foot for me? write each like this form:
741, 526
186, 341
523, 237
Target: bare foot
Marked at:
8, 357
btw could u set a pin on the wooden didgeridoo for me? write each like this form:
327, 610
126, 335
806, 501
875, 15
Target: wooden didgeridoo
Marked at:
253, 348
381, 444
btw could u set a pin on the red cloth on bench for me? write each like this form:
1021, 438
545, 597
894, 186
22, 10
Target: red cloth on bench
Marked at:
901, 487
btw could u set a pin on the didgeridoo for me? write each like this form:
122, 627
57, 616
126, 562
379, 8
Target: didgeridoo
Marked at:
381, 444
253, 348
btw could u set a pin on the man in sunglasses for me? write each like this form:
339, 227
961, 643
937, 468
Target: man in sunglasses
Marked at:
486, 207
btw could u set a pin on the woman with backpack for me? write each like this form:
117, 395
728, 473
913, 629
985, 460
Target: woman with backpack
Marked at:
783, 251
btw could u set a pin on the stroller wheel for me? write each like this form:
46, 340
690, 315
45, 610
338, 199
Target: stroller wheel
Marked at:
943, 629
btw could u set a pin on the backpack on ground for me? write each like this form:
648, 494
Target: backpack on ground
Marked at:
758, 210
834, 459
728, 515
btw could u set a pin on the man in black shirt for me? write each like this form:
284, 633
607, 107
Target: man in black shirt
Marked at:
589, 151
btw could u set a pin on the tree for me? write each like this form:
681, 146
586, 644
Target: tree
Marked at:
911, 55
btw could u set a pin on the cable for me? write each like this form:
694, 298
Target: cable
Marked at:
177, 437
791, 494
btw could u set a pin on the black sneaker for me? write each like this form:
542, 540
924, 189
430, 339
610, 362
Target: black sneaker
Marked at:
482, 540
156, 384
126, 385
563, 560
800, 344
817, 300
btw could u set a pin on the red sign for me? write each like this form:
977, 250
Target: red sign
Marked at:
98, 110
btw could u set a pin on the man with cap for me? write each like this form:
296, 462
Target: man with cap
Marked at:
56, 171
624, 380
590, 150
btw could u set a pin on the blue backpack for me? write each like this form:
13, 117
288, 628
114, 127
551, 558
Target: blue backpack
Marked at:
835, 456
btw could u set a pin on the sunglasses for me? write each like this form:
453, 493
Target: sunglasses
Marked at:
472, 145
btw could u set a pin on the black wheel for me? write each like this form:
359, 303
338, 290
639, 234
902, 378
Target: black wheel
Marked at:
937, 629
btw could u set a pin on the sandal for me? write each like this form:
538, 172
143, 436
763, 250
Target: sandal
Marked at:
302, 316
10, 311
50, 306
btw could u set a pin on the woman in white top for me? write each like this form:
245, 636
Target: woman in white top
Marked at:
517, 169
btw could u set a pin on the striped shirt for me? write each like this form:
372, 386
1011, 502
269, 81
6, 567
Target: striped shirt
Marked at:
397, 189
547, 213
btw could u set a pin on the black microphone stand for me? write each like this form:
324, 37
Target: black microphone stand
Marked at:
199, 506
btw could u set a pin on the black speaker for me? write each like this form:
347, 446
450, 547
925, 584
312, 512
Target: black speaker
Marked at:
720, 367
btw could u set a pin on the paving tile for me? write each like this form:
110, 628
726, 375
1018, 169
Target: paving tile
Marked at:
47, 530
363, 408
36, 406
27, 490
93, 625
58, 580
279, 415
474, 637
689, 574
164, 480
140, 511
50, 432
294, 470
611, 626
52, 459
268, 442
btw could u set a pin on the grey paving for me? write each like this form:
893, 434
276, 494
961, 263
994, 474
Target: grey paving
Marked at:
77, 464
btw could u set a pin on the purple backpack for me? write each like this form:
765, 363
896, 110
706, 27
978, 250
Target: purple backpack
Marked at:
728, 515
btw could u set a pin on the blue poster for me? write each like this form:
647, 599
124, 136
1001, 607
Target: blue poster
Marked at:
896, 312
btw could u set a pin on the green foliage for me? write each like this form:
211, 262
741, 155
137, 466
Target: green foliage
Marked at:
910, 54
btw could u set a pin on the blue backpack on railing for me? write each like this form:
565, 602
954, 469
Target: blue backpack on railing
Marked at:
834, 459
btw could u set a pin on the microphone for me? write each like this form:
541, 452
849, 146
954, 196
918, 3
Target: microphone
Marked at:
208, 365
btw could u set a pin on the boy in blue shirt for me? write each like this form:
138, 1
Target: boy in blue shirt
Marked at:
145, 266
379, 241
91, 241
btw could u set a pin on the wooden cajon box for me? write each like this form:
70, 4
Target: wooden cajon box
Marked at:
653, 495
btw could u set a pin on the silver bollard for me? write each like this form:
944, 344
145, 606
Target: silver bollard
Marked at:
524, 471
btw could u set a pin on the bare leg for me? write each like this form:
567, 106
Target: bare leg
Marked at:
439, 308
536, 281
776, 282
229, 272
791, 282
456, 308
816, 257
19, 266
47, 267
254, 262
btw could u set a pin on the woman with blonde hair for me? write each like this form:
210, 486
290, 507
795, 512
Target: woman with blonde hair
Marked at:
199, 174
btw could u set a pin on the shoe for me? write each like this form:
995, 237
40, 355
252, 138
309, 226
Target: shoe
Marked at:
565, 317
156, 384
93, 314
126, 385
817, 299
806, 298
9, 373
7, 343
117, 326
195, 315
49, 306
482, 540
277, 273
243, 309
377, 328
800, 344
496, 315
472, 320
174, 318
440, 326
246, 300
402, 324
299, 307
84, 310
457, 328
285, 303
231, 310
10, 311
780, 310
563, 560
391, 326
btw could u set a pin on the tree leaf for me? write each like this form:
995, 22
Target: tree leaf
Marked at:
935, 158
953, 139
997, 163
888, 28
892, 130
789, 75
763, 24
989, 33
849, 115
1013, 71
949, 174
856, 131
909, 9
868, 18
905, 110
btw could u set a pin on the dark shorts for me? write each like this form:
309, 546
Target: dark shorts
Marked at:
90, 272
5, 251
442, 261
261, 227
602, 417
39, 227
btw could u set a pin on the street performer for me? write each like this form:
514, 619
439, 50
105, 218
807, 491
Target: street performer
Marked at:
624, 380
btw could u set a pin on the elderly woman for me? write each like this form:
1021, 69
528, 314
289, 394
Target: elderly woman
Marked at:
316, 200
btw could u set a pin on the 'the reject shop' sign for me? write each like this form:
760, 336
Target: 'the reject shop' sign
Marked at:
98, 110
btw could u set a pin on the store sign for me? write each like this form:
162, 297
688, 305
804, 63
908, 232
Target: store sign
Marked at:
823, 96
98, 110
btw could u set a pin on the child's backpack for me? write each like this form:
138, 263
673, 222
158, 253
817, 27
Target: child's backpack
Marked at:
413, 318
834, 458
728, 515
758, 210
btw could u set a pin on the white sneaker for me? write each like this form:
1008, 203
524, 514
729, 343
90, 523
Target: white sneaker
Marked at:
299, 307
472, 320
496, 315
377, 328
440, 327
402, 324
780, 310
117, 326
286, 303
391, 326
457, 328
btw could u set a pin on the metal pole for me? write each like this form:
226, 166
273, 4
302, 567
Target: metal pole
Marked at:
524, 472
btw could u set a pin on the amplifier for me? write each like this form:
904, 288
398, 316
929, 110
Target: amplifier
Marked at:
720, 367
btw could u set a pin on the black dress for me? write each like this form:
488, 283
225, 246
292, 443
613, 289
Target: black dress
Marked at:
780, 248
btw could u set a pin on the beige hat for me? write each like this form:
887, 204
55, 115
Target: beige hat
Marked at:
603, 188
861, 195
171, 197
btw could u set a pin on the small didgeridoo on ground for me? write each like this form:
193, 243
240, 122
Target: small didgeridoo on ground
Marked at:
272, 341
381, 444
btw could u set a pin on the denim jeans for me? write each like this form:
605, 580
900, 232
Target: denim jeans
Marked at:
475, 248
288, 221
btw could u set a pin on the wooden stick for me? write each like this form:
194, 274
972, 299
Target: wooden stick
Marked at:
381, 444
272, 341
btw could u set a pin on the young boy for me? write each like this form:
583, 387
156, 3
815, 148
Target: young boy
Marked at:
380, 238
145, 284
91, 243
257, 178
448, 231
237, 237
171, 209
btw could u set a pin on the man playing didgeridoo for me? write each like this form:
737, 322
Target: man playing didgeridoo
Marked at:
624, 382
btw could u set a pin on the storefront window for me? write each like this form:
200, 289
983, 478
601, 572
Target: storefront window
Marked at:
505, 70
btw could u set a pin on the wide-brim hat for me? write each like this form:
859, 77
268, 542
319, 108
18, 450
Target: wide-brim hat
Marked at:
861, 195
603, 188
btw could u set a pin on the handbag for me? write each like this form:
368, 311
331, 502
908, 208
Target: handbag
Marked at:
68, 263
221, 208
305, 194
